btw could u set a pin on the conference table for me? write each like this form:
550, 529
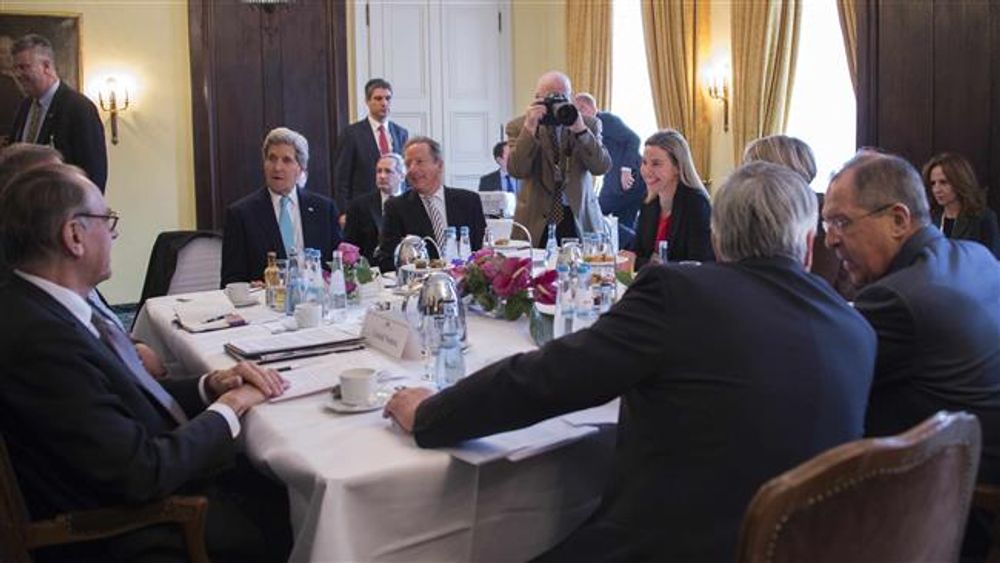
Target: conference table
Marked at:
360, 489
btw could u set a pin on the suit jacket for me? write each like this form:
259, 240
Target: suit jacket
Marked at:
251, 231
405, 215
623, 147
531, 160
73, 126
491, 182
357, 155
699, 431
364, 223
937, 315
982, 228
690, 236
81, 431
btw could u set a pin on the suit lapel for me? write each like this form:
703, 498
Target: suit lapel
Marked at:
45, 131
307, 213
962, 228
423, 225
375, 209
367, 141
263, 212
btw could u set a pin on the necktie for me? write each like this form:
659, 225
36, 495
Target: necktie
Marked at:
437, 220
116, 340
556, 216
34, 123
285, 224
383, 141
510, 184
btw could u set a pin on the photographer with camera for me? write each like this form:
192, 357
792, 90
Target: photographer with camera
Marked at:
555, 152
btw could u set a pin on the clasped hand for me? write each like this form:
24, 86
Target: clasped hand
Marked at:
244, 385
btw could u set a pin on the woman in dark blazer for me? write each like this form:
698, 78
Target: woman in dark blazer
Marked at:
676, 208
958, 204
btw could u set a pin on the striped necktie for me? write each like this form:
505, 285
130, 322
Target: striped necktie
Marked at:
437, 220
383, 141
122, 347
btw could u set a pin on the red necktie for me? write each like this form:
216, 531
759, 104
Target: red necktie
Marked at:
383, 142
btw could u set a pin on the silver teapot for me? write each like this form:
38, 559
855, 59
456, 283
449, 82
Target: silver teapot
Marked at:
409, 250
439, 298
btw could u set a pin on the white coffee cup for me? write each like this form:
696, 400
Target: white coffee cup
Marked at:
357, 386
238, 292
308, 315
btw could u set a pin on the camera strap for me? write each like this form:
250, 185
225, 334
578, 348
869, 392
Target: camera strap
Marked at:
559, 170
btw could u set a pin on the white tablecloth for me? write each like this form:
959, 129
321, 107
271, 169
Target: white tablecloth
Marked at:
361, 490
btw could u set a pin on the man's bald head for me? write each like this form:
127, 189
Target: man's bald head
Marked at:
553, 82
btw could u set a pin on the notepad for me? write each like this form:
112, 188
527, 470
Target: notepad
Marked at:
206, 316
290, 345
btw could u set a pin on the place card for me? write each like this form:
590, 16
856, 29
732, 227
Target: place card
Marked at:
389, 332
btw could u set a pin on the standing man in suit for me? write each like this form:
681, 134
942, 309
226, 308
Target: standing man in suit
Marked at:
429, 207
623, 188
86, 424
556, 164
362, 143
934, 302
500, 179
280, 216
710, 362
55, 114
364, 216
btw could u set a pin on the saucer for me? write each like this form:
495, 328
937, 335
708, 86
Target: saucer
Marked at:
513, 244
336, 405
248, 303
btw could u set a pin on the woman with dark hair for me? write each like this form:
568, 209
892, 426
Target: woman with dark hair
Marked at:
676, 208
958, 204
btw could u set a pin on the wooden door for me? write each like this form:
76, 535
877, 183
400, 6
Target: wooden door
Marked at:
256, 66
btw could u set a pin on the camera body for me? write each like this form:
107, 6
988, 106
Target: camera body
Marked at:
558, 111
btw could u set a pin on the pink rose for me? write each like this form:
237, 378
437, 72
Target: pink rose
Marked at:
351, 254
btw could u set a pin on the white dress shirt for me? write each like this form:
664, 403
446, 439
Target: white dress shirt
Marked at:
293, 211
82, 311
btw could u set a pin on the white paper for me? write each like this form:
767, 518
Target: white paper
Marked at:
520, 444
291, 340
306, 381
604, 414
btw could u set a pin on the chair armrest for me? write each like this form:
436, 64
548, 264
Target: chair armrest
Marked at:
188, 512
987, 497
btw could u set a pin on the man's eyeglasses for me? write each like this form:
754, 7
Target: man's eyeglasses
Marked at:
840, 224
111, 217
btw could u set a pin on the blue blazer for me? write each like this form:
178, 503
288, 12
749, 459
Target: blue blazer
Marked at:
251, 231
357, 155
690, 234
623, 146
74, 128
405, 215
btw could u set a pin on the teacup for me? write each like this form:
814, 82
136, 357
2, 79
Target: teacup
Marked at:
238, 292
357, 386
308, 315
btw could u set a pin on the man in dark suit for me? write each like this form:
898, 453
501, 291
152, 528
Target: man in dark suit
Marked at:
86, 424
934, 302
623, 188
499, 179
362, 143
729, 373
279, 217
429, 207
55, 114
364, 216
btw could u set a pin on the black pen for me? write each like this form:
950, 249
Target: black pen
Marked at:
213, 319
287, 368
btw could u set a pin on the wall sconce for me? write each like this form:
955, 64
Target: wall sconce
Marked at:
718, 89
109, 96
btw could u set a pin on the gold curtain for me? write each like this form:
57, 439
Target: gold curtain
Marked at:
588, 48
676, 34
849, 26
765, 37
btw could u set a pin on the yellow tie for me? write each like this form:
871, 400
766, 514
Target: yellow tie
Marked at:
35, 123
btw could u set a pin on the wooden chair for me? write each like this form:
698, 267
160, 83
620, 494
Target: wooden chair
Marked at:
899, 498
987, 498
19, 536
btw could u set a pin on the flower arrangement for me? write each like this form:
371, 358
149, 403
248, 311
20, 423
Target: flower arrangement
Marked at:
356, 269
504, 285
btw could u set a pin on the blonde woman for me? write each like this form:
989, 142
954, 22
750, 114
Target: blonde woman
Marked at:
676, 208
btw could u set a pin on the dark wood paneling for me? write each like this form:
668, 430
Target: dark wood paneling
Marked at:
258, 67
929, 81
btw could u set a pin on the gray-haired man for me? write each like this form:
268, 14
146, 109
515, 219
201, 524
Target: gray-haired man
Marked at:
710, 361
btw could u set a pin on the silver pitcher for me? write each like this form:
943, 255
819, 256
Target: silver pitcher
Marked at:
439, 297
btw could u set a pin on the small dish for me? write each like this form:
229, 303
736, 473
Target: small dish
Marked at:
248, 303
338, 406
512, 244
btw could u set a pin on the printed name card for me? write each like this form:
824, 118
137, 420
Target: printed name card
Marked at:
389, 332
